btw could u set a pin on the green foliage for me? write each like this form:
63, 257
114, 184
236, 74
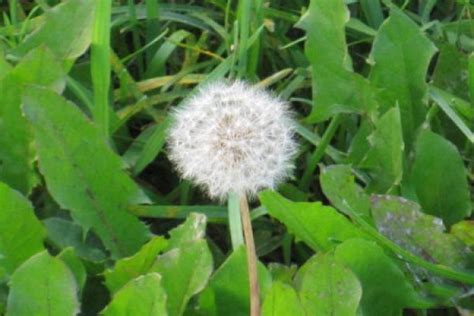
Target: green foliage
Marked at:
440, 180
66, 30
375, 271
39, 67
321, 227
21, 233
400, 55
329, 288
95, 201
335, 87
385, 156
281, 299
185, 271
375, 220
141, 296
228, 295
420, 233
127, 269
43, 285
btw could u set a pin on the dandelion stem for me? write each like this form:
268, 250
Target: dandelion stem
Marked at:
235, 223
251, 257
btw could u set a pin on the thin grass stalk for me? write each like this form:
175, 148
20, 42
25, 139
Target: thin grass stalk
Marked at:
319, 152
100, 64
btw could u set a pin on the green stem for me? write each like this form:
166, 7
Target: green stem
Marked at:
100, 64
13, 12
235, 221
319, 152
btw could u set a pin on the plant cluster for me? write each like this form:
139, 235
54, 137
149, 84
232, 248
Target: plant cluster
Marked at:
352, 134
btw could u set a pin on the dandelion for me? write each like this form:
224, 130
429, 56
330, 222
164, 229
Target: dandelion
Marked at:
232, 137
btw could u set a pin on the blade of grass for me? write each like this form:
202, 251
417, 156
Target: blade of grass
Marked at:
373, 12
153, 27
319, 152
150, 44
149, 148
254, 51
212, 212
80, 92
437, 97
244, 18
100, 65
276, 77
471, 77
158, 82
135, 36
157, 63
426, 6
13, 5
315, 140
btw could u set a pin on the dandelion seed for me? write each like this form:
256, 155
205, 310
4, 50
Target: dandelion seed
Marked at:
232, 137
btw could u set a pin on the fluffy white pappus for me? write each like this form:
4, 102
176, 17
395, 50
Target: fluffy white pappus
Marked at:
231, 136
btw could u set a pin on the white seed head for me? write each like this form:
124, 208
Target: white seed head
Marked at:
232, 137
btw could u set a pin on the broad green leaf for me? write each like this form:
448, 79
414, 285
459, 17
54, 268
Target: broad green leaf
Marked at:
194, 228
43, 285
65, 233
400, 56
450, 71
335, 87
320, 227
359, 144
464, 230
440, 179
41, 67
16, 151
282, 300
329, 288
185, 272
83, 174
403, 222
373, 12
67, 30
142, 296
21, 233
228, 289
140, 263
338, 184
125, 269
459, 31
385, 289
75, 265
385, 156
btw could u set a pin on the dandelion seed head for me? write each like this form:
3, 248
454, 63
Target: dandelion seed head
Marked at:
231, 136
